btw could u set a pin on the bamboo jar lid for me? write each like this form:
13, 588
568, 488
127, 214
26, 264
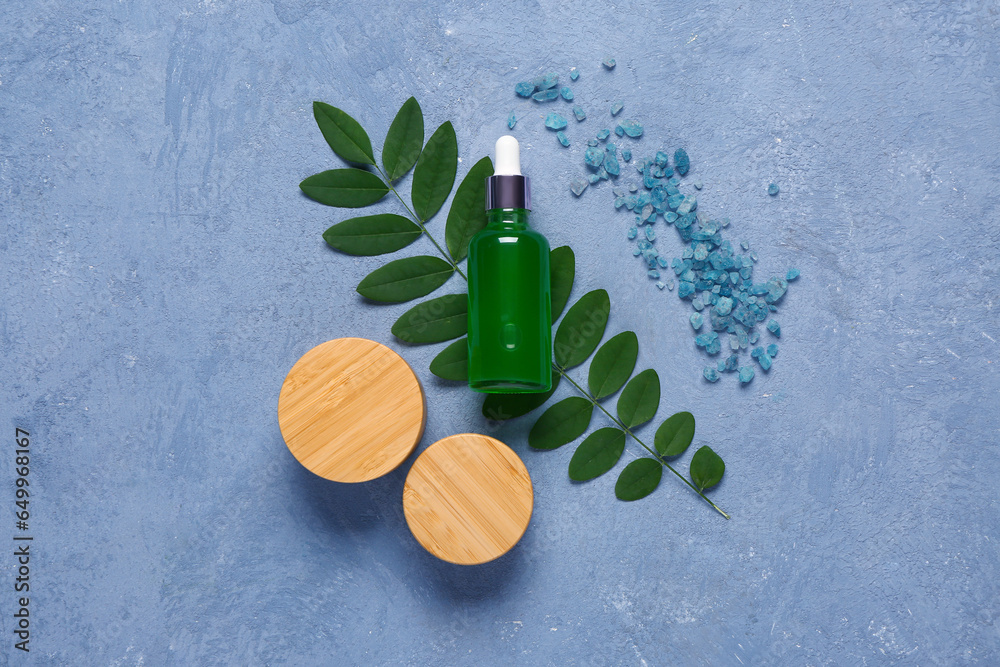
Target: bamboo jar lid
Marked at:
351, 410
468, 499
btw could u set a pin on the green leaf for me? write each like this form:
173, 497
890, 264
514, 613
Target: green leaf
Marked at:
582, 328
452, 363
435, 172
562, 268
707, 468
500, 407
613, 364
403, 141
675, 434
597, 454
344, 134
372, 234
563, 422
406, 279
346, 188
468, 209
639, 399
639, 479
434, 321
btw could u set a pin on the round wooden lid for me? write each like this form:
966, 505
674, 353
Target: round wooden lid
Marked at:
351, 410
468, 499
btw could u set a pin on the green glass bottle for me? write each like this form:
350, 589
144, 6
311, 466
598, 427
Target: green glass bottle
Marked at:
510, 302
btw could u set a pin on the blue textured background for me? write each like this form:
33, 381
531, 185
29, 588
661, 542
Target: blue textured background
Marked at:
162, 272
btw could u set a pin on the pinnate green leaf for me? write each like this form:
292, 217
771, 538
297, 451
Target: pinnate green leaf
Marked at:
403, 141
707, 468
562, 270
372, 234
582, 329
675, 434
434, 321
468, 209
406, 279
500, 407
597, 454
434, 174
639, 399
639, 479
344, 134
613, 364
452, 363
563, 422
346, 188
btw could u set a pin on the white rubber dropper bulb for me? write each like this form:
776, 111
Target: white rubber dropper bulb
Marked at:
508, 157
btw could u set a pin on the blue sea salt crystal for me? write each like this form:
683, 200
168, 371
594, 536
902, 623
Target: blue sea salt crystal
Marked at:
592, 142
732, 362
776, 288
774, 328
644, 245
546, 81
511, 121
579, 112
609, 63
714, 347
744, 339
705, 339
711, 374
772, 350
632, 128
619, 131
650, 234
594, 157
660, 284
724, 306
757, 352
746, 374
745, 245
602, 173
682, 163
619, 202
616, 107
698, 185
687, 205
653, 273
574, 73
773, 189
626, 154
661, 158
734, 342
670, 217
604, 134
765, 362
632, 232
649, 181
524, 89
754, 337
593, 178
792, 274
611, 162
685, 290
753, 256
696, 321
545, 95
563, 139
700, 252
578, 185
632, 188
555, 121
636, 252
670, 284
566, 93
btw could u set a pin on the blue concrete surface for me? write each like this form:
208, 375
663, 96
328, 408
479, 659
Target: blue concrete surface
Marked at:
161, 274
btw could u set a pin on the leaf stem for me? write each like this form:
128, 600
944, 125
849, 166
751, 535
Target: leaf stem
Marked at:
420, 224
656, 455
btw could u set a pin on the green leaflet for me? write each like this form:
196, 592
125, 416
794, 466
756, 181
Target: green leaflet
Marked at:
581, 329
344, 134
562, 270
372, 234
563, 422
403, 141
639, 399
452, 363
639, 479
613, 364
499, 407
707, 468
434, 321
345, 188
434, 174
468, 210
675, 434
406, 279
597, 454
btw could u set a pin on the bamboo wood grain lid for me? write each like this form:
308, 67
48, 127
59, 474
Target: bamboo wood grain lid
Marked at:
351, 410
468, 499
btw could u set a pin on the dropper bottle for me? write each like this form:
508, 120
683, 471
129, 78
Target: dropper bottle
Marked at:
510, 302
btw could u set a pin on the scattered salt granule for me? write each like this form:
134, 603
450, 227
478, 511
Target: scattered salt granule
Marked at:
604, 134
711, 374
546, 81
594, 157
682, 163
578, 185
774, 328
566, 93
611, 161
792, 274
511, 121
773, 189
579, 112
563, 139
631, 128
555, 121
616, 107
524, 89
627, 155
746, 374
696, 321
545, 95
574, 73
660, 285
772, 350
609, 63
